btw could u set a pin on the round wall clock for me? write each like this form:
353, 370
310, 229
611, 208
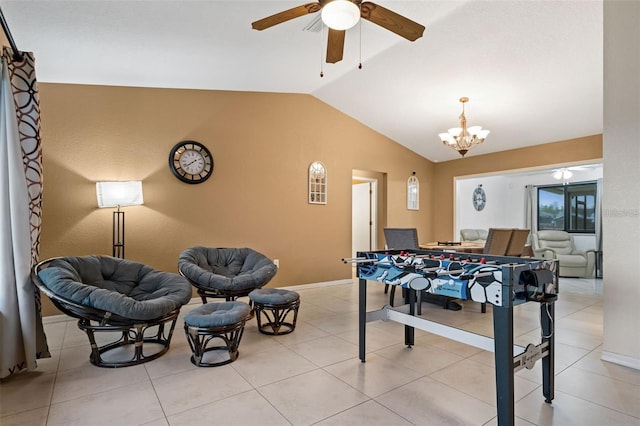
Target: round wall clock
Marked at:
191, 162
479, 198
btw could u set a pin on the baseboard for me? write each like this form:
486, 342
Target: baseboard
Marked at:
50, 319
317, 285
623, 360
198, 301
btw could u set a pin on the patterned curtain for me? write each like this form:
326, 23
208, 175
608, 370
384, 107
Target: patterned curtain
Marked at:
23, 339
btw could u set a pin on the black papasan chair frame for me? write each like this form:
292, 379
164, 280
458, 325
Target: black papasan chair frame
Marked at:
92, 320
227, 295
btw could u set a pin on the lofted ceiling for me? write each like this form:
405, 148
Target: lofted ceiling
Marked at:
533, 70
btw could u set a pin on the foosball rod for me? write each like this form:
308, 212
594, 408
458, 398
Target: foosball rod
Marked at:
386, 262
413, 255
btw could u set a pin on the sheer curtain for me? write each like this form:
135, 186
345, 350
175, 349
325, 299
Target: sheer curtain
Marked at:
598, 217
530, 205
23, 339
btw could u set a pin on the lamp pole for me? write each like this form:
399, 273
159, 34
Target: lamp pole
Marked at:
118, 233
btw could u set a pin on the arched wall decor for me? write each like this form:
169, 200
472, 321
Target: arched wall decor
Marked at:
413, 193
317, 183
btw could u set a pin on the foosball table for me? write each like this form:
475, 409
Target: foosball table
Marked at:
502, 282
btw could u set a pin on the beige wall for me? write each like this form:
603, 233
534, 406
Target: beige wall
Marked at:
262, 144
4, 41
442, 215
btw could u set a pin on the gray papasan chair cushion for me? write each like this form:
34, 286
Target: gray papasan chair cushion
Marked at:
231, 269
126, 288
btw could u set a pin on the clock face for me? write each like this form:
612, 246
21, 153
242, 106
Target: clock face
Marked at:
479, 198
191, 162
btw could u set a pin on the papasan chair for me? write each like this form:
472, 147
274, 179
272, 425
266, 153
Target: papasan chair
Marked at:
107, 295
226, 273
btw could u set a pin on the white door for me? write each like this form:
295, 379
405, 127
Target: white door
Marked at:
363, 215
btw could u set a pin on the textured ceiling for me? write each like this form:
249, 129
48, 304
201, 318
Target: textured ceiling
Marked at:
532, 69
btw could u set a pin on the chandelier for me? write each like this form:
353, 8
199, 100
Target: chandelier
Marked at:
463, 138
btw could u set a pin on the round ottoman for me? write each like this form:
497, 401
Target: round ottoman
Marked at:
216, 321
275, 305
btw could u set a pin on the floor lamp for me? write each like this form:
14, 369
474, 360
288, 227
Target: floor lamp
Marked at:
119, 194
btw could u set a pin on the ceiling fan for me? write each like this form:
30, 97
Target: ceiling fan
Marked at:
372, 12
565, 173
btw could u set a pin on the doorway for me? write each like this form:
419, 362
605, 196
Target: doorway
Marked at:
364, 207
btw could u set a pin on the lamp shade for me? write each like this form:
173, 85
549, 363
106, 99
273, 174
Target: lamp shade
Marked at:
114, 194
340, 14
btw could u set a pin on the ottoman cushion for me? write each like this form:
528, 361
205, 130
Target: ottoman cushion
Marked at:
273, 296
217, 314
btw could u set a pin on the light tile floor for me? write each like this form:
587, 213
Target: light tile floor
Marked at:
313, 376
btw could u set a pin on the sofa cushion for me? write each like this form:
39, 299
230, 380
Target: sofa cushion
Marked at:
572, 261
559, 241
126, 288
477, 235
226, 268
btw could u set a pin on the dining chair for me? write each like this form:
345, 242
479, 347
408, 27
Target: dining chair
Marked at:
407, 239
517, 242
497, 241
497, 244
399, 239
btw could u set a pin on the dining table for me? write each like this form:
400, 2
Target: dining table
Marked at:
455, 246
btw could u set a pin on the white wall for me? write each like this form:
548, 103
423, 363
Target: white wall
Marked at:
621, 201
505, 199
503, 208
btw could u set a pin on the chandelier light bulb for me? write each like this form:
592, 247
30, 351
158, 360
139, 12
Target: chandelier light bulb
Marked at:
340, 14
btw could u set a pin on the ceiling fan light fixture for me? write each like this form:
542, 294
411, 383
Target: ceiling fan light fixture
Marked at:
463, 138
340, 14
563, 174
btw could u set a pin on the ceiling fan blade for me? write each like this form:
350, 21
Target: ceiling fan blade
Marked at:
287, 15
390, 20
335, 46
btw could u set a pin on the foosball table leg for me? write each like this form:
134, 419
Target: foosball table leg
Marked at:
547, 314
409, 332
505, 383
362, 317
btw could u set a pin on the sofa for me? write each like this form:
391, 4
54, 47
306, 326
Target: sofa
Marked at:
474, 235
552, 244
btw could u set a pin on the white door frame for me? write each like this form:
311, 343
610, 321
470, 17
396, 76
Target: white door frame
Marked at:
373, 211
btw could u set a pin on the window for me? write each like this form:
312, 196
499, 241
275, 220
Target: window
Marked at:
317, 183
413, 193
570, 208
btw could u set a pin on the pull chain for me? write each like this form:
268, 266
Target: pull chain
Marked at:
360, 35
322, 36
